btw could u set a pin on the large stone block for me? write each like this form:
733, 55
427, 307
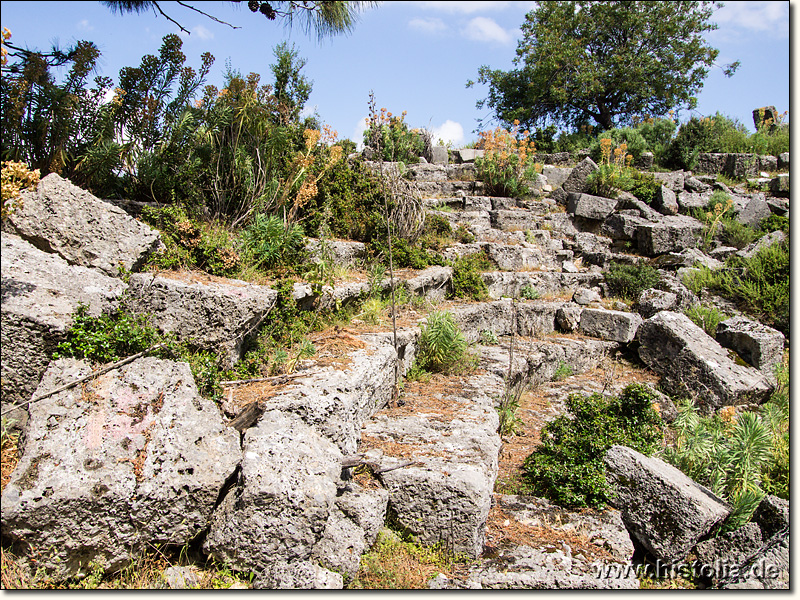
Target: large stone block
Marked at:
133, 457
758, 344
209, 314
41, 292
590, 207
663, 509
64, 219
693, 364
285, 494
576, 182
670, 234
610, 325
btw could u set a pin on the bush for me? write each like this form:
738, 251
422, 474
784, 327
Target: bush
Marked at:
708, 134
390, 135
108, 337
706, 317
404, 254
442, 346
269, 243
508, 165
657, 133
629, 281
635, 144
644, 186
467, 280
568, 466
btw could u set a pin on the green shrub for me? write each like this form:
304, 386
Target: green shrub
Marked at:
643, 186
629, 281
775, 223
269, 243
563, 371
404, 254
631, 137
568, 467
508, 164
108, 337
467, 280
390, 134
657, 133
463, 235
737, 234
442, 346
528, 292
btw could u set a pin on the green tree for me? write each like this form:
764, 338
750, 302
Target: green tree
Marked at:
291, 89
606, 61
324, 18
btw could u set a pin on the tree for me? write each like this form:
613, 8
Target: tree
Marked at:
606, 61
323, 17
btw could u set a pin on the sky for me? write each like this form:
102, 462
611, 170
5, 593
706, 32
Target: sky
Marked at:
415, 56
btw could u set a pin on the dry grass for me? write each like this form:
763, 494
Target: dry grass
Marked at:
9, 457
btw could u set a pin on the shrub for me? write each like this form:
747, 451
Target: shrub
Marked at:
467, 280
629, 281
775, 223
568, 466
644, 186
16, 177
707, 134
634, 143
269, 243
108, 337
390, 135
657, 133
528, 292
611, 175
404, 254
737, 234
442, 346
508, 164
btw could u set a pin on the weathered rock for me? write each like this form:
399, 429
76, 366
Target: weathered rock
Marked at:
568, 317
766, 116
623, 226
776, 237
426, 172
671, 234
214, 315
467, 155
780, 185
474, 220
81, 228
585, 297
693, 364
652, 301
731, 548
511, 220
711, 162
663, 509
772, 515
338, 252
665, 201
756, 211
446, 494
178, 578
610, 325
783, 161
297, 575
688, 202
41, 292
432, 284
768, 569
645, 161
759, 345
674, 180
439, 156
287, 488
366, 507
693, 184
510, 285
576, 182
337, 401
590, 207
135, 456
767, 163
556, 176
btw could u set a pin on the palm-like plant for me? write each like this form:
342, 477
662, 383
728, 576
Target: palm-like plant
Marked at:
442, 346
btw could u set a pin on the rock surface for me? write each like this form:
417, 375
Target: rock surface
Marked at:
81, 228
136, 456
664, 510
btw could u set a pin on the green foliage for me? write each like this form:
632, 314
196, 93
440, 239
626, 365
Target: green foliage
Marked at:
568, 466
629, 281
706, 317
775, 223
442, 346
467, 280
404, 254
635, 144
510, 423
605, 61
390, 136
528, 292
737, 234
489, 337
107, 337
269, 242
644, 186
658, 134
563, 371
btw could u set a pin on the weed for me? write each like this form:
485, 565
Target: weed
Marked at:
629, 281
563, 371
528, 292
442, 346
510, 423
467, 281
269, 242
489, 337
508, 164
706, 317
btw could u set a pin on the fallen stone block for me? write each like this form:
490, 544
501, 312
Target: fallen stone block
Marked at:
297, 575
665, 201
432, 284
671, 234
133, 457
62, 218
662, 508
691, 363
758, 344
338, 252
767, 570
652, 301
610, 325
590, 207
576, 182
213, 315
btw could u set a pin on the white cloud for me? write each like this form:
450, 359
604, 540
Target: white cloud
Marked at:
202, 33
358, 133
449, 132
484, 29
756, 16
467, 8
84, 25
428, 25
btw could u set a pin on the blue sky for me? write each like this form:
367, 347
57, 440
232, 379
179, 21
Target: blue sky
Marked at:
415, 56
